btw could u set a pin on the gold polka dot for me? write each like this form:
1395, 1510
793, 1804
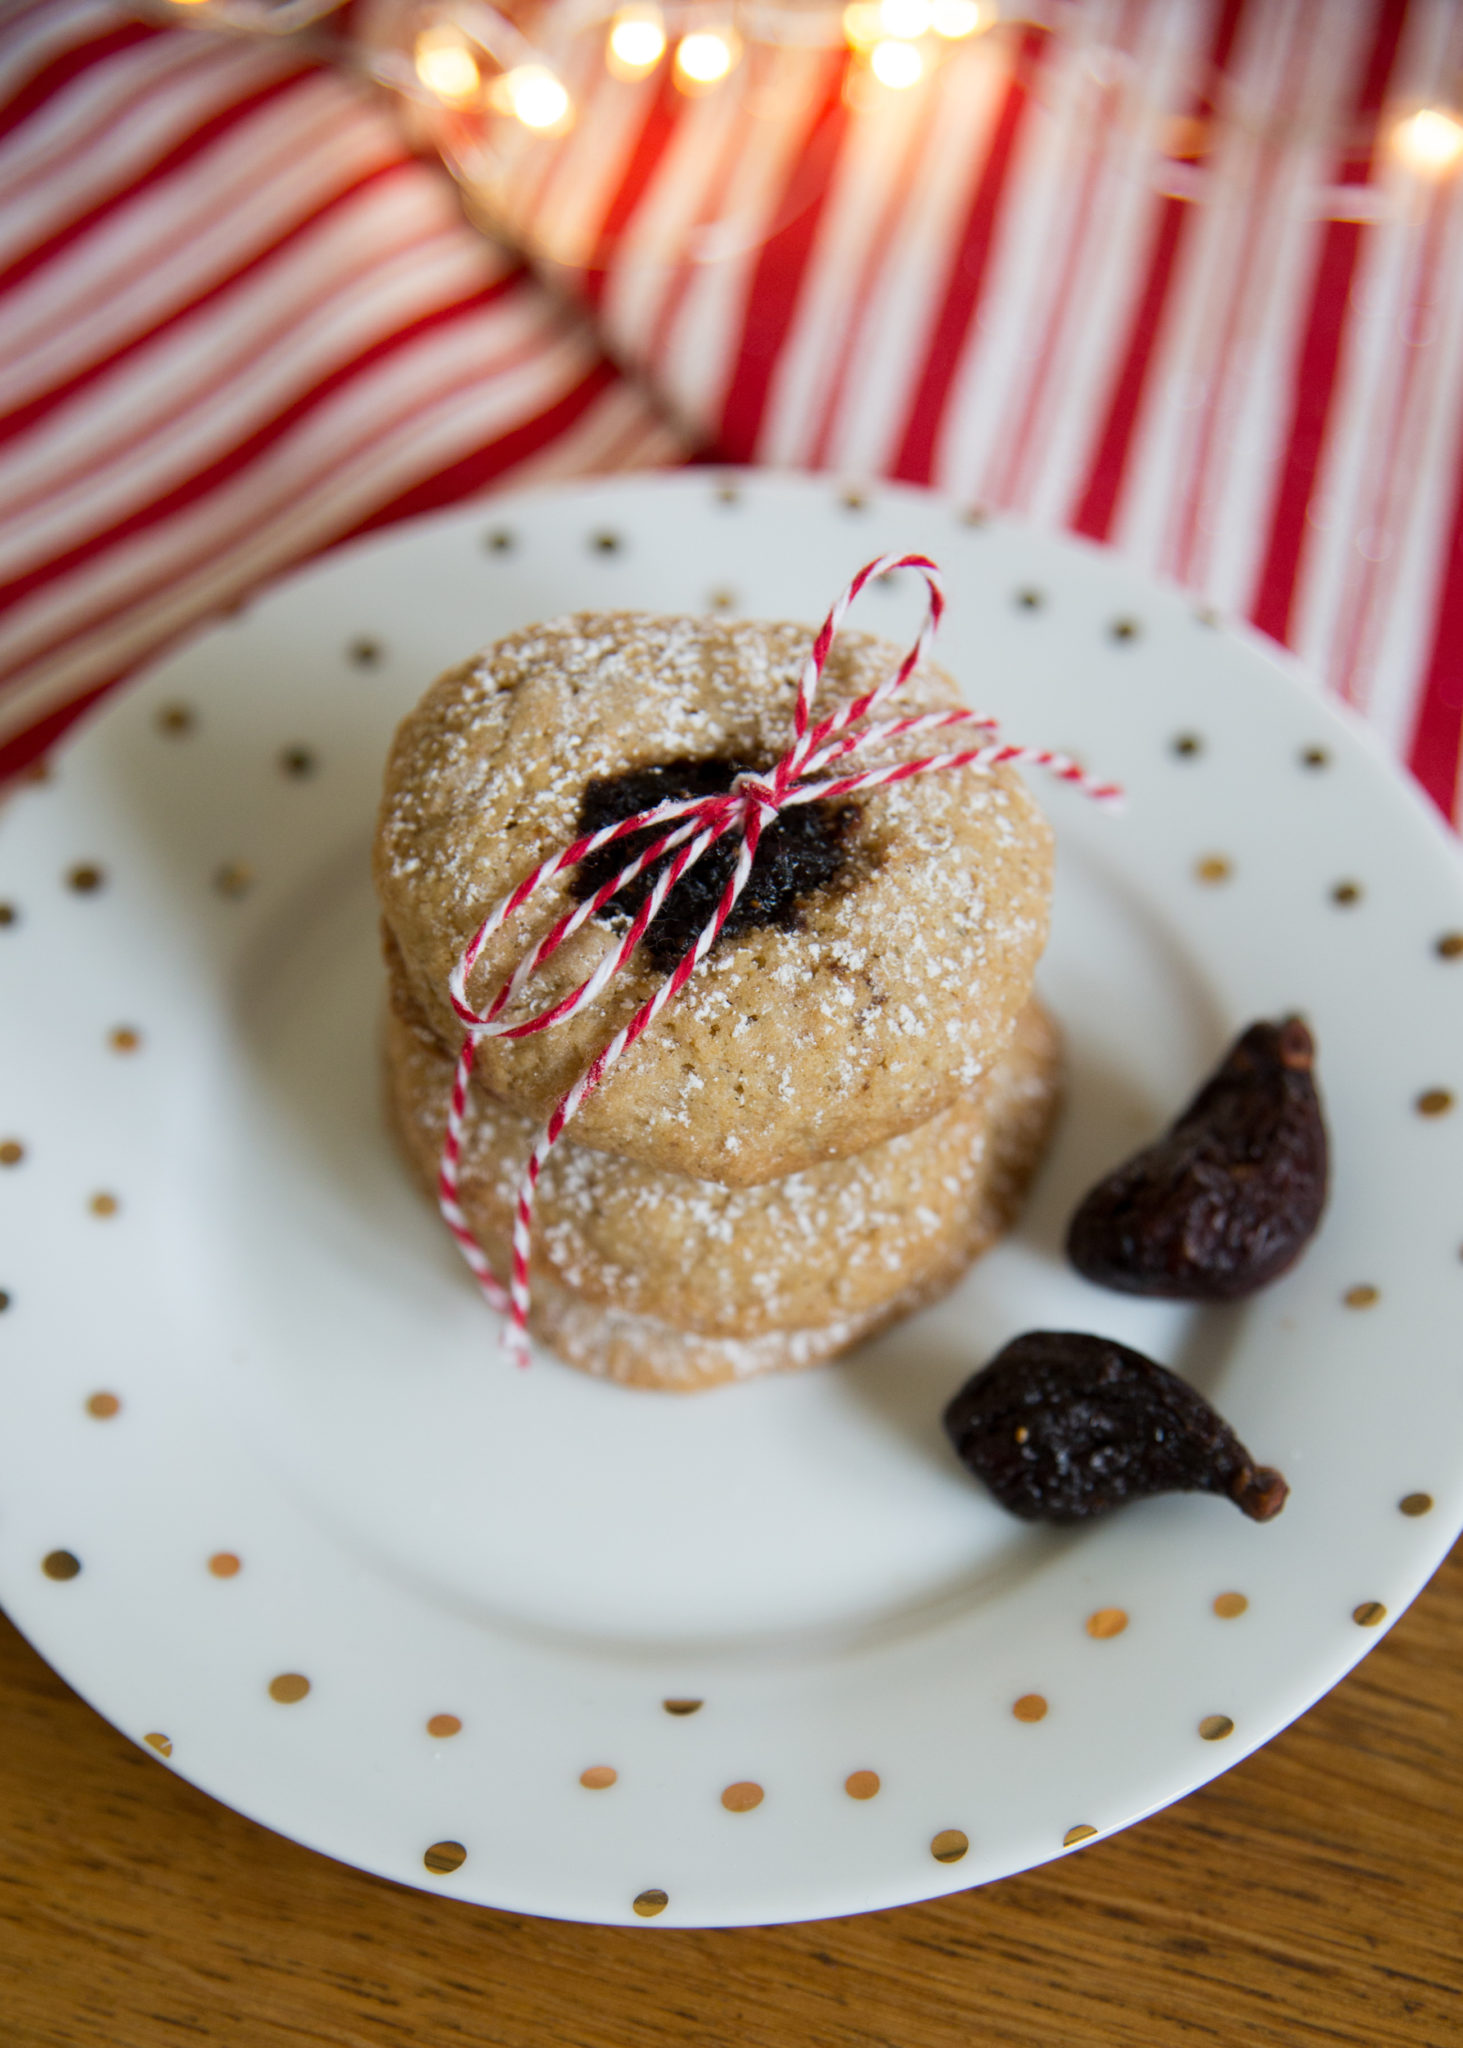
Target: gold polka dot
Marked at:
1125, 629
4, 1301
728, 494
1315, 757
1030, 1707
365, 653
1214, 1727
854, 501
1083, 1832
499, 542
1416, 1503
1450, 946
1187, 745
11, 1152
1107, 1621
598, 1778
1434, 1102
233, 879
1369, 1614
175, 720
975, 515
683, 1707
1363, 1296
861, 1784
85, 879
949, 1845
8, 914
445, 1857
298, 762
103, 1406
648, 1904
38, 771
124, 1038
60, 1564
1207, 614
443, 1726
289, 1687
225, 1565
163, 1744
1030, 600
742, 1797
723, 600
104, 1205
1346, 893
1229, 1606
1213, 868
607, 543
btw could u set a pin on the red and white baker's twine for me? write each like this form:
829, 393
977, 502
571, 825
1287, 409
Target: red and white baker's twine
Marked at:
693, 825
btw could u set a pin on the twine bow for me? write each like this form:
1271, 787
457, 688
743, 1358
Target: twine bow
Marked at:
690, 827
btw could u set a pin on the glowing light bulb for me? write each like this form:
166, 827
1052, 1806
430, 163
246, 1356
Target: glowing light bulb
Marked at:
446, 66
956, 18
905, 20
706, 57
862, 24
535, 96
897, 65
1430, 140
637, 41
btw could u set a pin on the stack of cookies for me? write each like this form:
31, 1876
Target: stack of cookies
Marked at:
845, 1105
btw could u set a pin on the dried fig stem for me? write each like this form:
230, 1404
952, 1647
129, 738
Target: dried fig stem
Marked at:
1260, 1491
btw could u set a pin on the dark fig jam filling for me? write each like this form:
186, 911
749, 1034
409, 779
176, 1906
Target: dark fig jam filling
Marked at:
802, 851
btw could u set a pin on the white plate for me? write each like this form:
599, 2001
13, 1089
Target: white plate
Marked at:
308, 1382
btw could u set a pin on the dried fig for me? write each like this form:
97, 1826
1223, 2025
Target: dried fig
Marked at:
1229, 1196
1062, 1426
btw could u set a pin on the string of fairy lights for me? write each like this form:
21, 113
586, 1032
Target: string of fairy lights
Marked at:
472, 60
460, 59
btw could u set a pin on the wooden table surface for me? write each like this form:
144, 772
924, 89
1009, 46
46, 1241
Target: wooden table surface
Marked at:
1312, 1895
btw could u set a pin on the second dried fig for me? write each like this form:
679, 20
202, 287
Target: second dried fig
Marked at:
1230, 1195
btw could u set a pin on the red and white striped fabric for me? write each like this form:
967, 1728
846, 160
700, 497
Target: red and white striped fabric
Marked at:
1159, 279
238, 322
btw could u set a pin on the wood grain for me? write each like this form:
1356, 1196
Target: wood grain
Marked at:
1312, 1895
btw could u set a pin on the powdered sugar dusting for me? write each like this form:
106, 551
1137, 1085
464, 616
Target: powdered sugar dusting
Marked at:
836, 1240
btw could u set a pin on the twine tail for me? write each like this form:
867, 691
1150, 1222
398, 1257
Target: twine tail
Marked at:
448, 1182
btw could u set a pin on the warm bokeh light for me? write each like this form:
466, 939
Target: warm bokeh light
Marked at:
904, 19
862, 24
445, 65
1430, 140
897, 65
706, 56
637, 41
956, 18
536, 96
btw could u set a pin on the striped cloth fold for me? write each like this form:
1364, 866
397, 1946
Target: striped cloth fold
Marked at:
241, 323
1162, 280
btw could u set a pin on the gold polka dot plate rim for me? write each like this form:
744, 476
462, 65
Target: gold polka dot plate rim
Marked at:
546, 1568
